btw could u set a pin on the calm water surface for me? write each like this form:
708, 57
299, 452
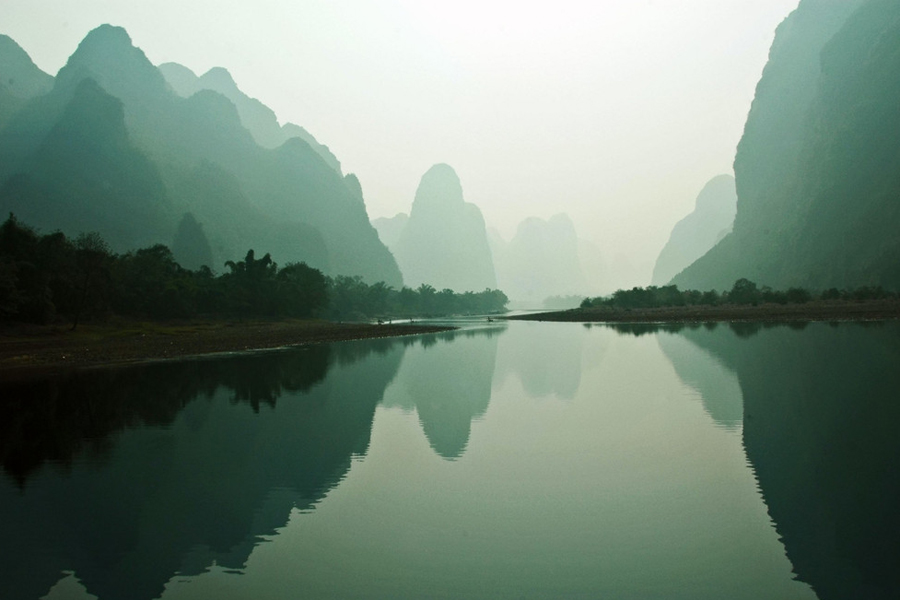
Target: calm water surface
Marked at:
520, 460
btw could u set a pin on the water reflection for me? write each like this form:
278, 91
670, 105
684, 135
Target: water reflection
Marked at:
820, 414
58, 418
164, 472
448, 385
545, 357
716, 385
129, 477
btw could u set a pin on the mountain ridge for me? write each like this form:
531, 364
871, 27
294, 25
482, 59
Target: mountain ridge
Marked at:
282, 189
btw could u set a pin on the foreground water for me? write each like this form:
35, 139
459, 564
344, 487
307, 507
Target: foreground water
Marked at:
528, 460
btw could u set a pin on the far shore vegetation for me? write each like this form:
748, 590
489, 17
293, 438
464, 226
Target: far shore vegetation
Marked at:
51, 279
745, 301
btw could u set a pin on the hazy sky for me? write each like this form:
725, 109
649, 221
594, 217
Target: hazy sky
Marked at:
616, 112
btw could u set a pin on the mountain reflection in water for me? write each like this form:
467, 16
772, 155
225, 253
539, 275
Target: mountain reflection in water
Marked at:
127, 481
821, 407
127, 476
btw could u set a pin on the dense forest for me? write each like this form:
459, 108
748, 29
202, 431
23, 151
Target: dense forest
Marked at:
51, 278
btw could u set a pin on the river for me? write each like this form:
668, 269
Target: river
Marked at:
502, 460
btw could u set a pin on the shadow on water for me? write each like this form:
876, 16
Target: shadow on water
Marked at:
821, 408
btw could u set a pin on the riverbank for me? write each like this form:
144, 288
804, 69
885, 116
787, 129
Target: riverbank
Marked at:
873, 310
32, 348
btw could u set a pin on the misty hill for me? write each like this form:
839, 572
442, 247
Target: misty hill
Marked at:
816, 170
286, 201
595, 269
390, 228
87, 176
444, 242
190, 244
20, 79
542, 260
694, 235
256, 117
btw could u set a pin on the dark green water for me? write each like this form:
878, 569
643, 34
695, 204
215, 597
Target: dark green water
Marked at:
528, 460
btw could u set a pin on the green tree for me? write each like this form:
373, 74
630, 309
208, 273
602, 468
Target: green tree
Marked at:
426, 298
250, 284
377, 299
408, 300
93, 258
149, 282
302, 290
744, 291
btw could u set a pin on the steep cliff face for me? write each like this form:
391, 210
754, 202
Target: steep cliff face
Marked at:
694, 235
286, 200
444, 244
816, 169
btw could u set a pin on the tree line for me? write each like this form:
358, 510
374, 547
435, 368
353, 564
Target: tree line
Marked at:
48, 278
743, 292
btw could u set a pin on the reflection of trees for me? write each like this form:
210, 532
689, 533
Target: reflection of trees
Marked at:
186, 475
55, 419
820, 414
639, 329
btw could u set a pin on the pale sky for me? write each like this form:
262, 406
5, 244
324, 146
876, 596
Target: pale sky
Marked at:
615, 112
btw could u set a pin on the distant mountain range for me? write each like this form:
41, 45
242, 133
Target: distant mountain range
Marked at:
541, 260
818, 168
443, 242
114, 146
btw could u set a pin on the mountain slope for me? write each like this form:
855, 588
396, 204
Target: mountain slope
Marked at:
258, 118
287, 200
694, 235
20, 79
87, 176
542, 259
444, 242
816, 170
390, 228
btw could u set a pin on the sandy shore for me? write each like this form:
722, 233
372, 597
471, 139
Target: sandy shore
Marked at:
29, 349
875, 310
